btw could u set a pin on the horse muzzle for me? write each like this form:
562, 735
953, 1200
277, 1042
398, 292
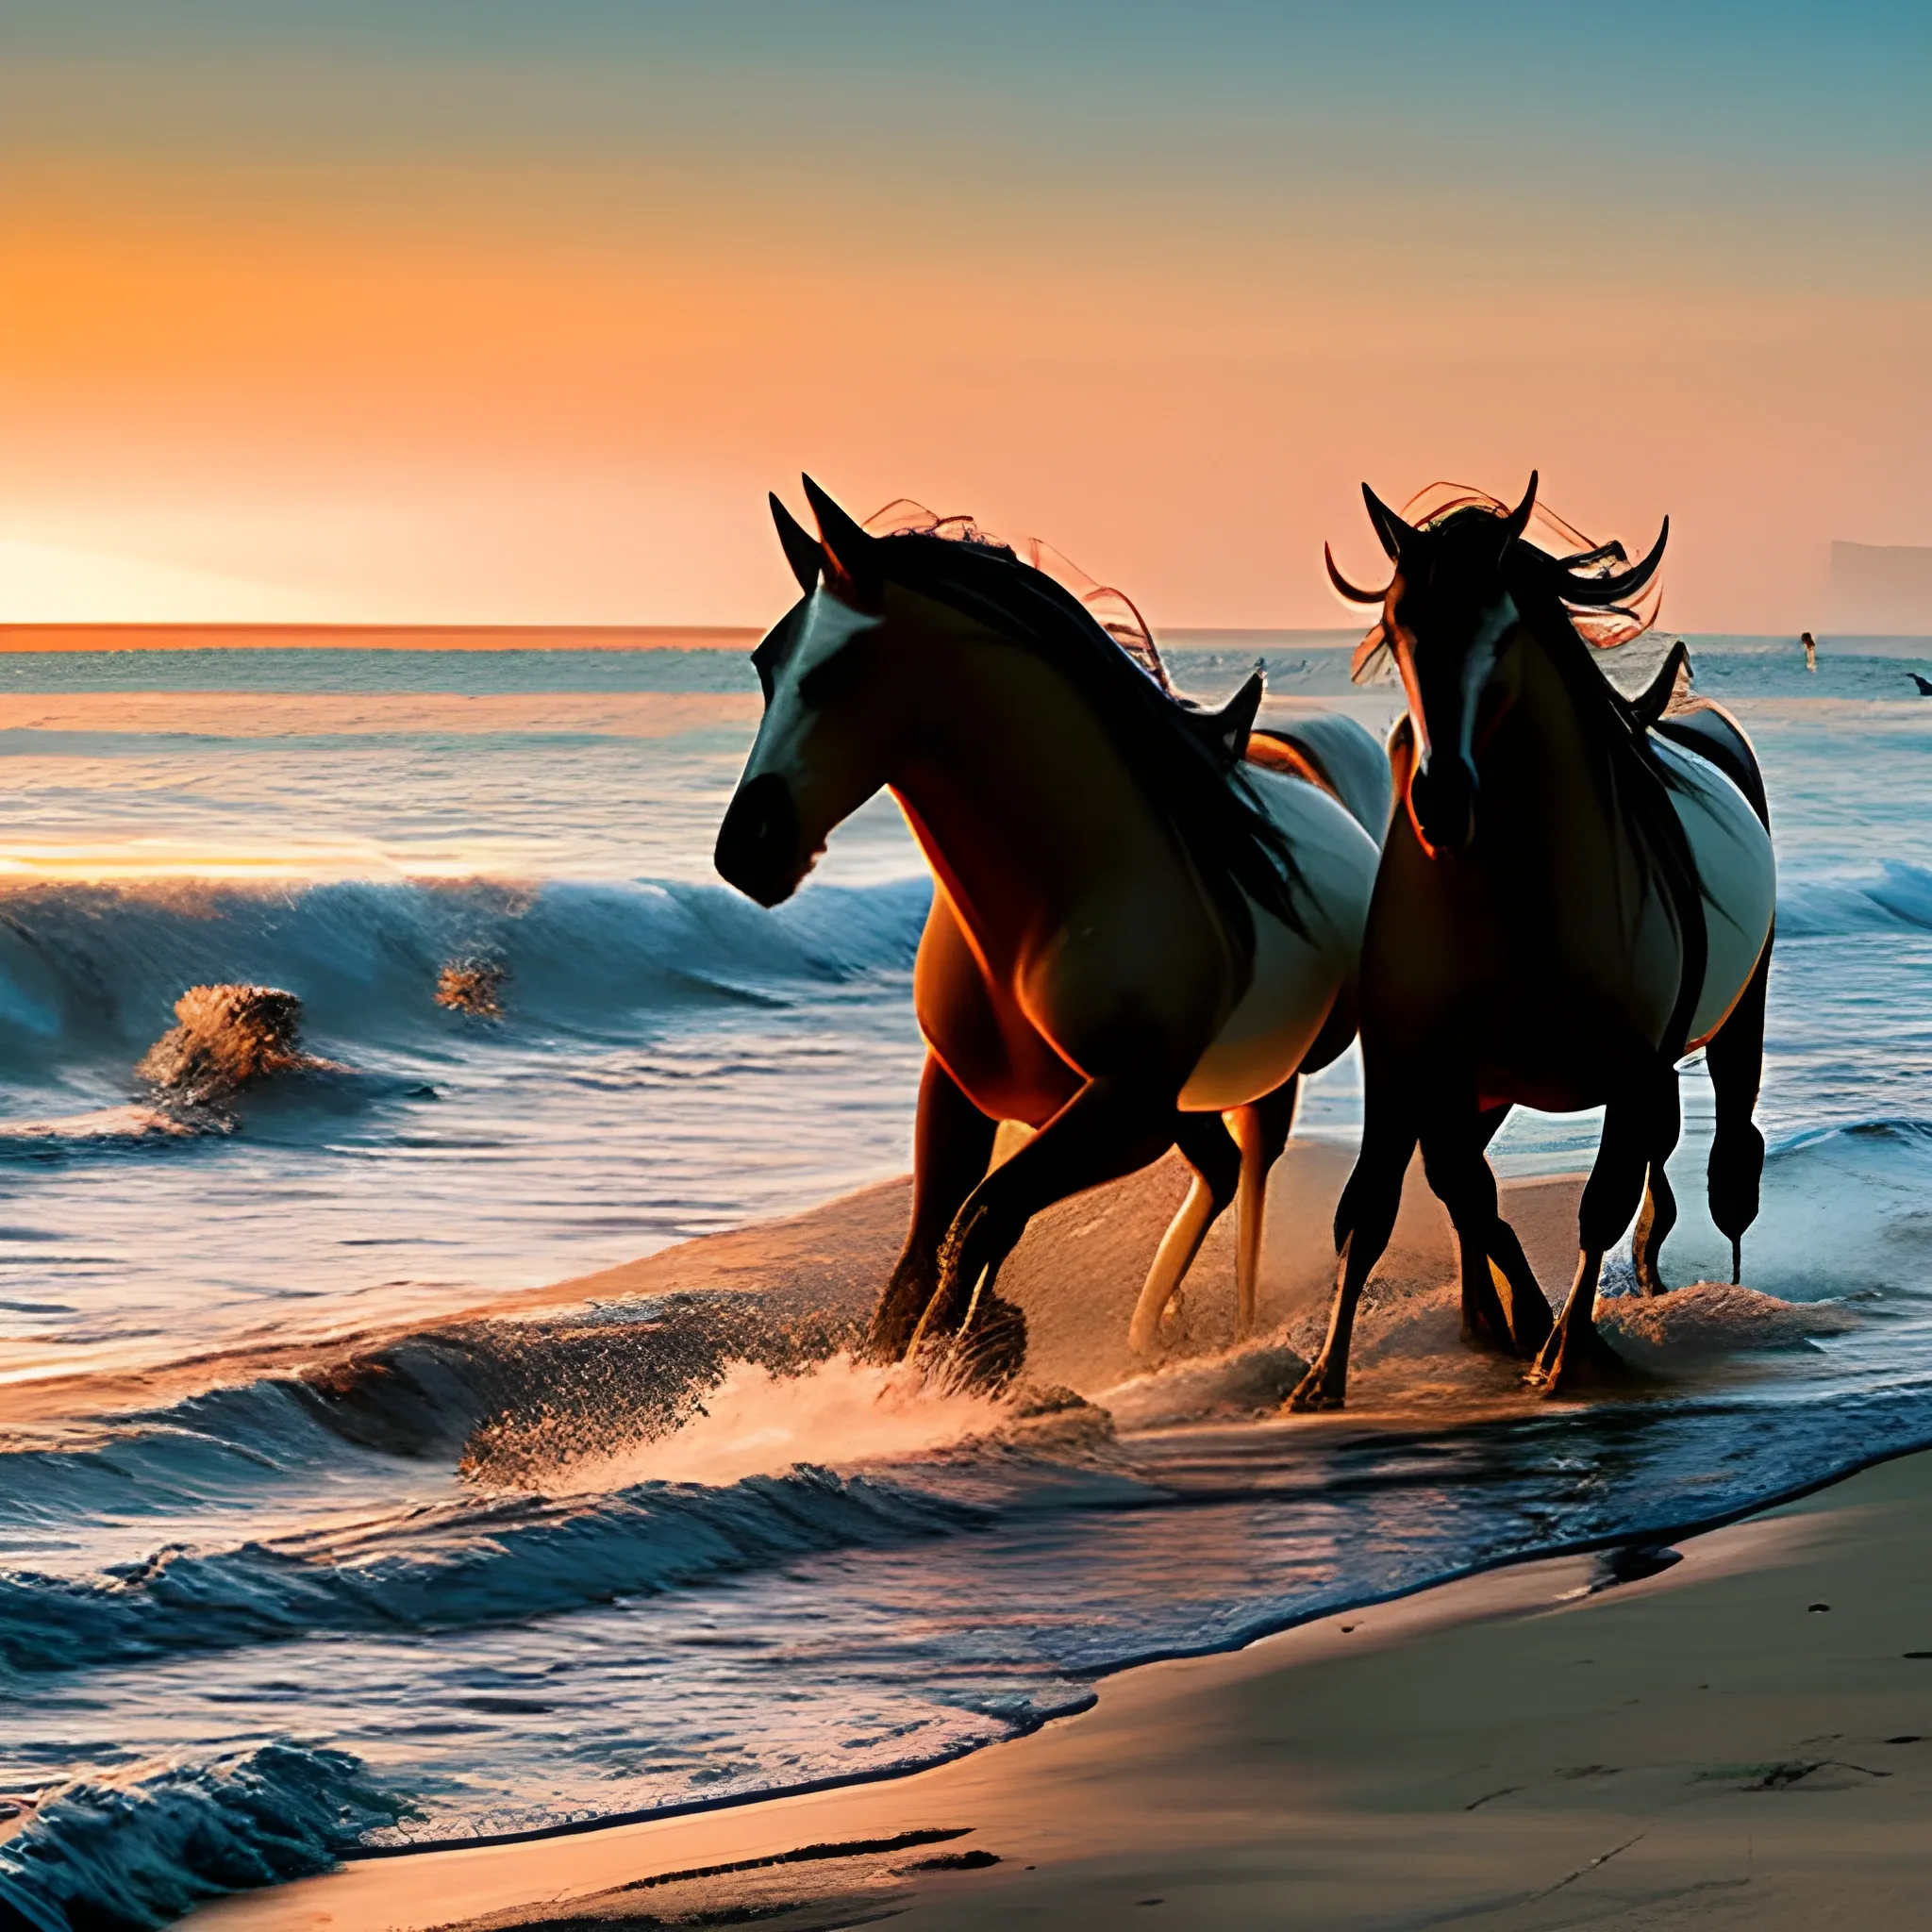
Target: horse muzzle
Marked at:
1442, 802
757, 843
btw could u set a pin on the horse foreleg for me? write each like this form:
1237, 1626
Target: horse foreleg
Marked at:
1659, 1214
1218, 1167
1364, 1219
1576, 1354
1262, 1131
1109, 1128
951, 1144
1735, 1059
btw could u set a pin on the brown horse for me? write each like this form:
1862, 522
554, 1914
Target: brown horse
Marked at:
1141, 936
1579, 892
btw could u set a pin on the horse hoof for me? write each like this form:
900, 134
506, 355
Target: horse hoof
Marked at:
992, 1352
1312, 1396
1580, 1362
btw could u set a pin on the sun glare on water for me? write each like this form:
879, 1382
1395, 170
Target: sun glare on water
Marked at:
306, 861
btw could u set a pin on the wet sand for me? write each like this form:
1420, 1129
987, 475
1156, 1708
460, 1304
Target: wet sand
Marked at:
1076, 1274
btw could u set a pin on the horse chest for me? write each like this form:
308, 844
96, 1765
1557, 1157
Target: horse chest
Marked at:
1506, 958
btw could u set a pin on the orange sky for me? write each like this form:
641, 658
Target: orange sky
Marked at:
443, 344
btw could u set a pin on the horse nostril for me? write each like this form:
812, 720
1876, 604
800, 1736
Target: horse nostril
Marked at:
757, 843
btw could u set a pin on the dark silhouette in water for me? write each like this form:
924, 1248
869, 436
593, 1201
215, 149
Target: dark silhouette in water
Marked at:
1925, 685
1811, 645
226, 1038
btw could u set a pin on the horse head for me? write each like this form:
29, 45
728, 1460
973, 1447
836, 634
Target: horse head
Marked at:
1453, 616
824, 742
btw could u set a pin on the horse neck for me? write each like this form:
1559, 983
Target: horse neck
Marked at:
1018, 795
1540, 766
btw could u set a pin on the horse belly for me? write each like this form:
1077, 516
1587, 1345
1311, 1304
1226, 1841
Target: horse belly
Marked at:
1739, 875
1266, 1037
1295, 979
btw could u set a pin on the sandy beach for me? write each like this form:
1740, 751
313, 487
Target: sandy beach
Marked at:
1743, 1738
1734, 1739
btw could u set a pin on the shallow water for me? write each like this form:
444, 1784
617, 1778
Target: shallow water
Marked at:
301, 1604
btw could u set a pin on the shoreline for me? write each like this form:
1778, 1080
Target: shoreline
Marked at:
1065, 1792
1647, 1537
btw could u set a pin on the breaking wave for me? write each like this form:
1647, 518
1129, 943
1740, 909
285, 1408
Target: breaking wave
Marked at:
135, 1853
1897, 899
465, 1564
92, 972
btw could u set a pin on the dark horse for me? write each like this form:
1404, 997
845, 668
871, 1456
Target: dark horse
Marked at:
1579, 892
1144, 928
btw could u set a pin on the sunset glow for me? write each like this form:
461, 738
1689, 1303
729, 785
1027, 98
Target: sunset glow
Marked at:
497, 317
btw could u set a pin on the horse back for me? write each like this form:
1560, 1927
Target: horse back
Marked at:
1333, 752
1710, 731
1727, 829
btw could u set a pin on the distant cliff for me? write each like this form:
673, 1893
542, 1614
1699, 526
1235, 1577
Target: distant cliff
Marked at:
1881, 590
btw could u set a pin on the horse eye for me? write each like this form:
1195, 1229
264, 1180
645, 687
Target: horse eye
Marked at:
825, 683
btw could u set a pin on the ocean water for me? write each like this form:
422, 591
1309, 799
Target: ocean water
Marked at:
247, 1629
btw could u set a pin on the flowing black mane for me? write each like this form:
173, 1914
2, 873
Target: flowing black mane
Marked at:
1187, 761
1632, 781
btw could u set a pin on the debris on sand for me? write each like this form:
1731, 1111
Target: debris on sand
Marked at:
227, 1038
471, 986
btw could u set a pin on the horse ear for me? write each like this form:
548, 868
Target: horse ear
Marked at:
847, 546
1226, 731
1393, 530
1671, 681
801, 551
1236, 719
1518, 519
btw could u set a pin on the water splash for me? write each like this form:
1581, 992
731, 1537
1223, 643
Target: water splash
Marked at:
838, 1411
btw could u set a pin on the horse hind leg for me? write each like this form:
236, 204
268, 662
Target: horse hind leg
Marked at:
1734, 1060
1218, 1167
1262, 1130
1575, 1355
1502, 1305
1526, 1307
1659, 1214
